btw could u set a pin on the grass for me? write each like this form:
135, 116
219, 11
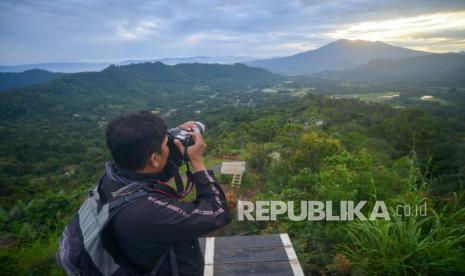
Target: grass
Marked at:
409, 245
35, 259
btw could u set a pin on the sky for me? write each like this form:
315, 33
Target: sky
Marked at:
33, 31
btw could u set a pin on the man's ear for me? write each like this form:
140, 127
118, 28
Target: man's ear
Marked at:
155, 160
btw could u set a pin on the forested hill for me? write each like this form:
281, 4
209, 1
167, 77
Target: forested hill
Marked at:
434, 70
18, 80
47, 129
52, 151
119, 88
191, 73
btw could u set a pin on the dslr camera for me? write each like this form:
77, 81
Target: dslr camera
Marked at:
186, 139
176, 158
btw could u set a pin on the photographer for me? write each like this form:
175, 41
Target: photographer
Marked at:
159, 233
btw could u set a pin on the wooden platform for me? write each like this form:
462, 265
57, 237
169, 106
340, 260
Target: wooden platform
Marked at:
250, 255
232, 168
236, 169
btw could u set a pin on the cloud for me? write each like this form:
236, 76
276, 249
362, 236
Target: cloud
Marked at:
447, 29
73, 30
140, 31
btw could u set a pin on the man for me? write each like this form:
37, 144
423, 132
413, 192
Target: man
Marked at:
160, 230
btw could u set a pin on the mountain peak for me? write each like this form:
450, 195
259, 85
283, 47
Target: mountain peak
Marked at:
349, 41
356, 43
338, 55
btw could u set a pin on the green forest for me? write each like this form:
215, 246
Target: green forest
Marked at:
303, 138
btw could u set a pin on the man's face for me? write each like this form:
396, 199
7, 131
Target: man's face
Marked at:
165, 151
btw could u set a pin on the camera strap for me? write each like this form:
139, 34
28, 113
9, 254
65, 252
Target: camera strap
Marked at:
181, 190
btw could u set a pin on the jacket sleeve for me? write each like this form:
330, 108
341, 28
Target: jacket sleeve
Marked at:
205, 214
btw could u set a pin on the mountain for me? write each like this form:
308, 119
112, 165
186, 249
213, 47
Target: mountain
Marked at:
338, 55
18, 80
75, 67
196, 59
69, 67
435, 69
189, 73
117, 89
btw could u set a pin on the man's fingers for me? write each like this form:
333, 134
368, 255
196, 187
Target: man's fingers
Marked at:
197, 136
188, 126
185, 127
198, 139
179, 145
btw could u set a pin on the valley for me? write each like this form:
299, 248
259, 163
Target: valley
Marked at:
336, 140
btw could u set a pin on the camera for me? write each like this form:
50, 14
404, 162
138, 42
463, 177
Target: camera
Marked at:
185, 136
176, 157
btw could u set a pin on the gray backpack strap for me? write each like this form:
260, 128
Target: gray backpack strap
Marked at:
115, 204
128, 189
92, 218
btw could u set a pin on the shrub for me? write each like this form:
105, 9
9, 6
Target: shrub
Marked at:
409, 245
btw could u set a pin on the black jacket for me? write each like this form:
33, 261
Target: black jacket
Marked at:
145, 230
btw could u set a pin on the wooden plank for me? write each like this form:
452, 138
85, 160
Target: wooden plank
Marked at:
249, 241
292, 256
202, 245
231, 168
281, 268
251, 254
209, 256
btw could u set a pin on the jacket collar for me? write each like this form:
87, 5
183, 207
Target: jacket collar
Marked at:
128, 176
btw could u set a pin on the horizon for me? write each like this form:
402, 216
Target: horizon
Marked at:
76, 31
160, 59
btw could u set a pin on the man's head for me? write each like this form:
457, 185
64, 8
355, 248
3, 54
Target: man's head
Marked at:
138, 141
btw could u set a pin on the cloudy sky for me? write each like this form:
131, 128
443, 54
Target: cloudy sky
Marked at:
34, 31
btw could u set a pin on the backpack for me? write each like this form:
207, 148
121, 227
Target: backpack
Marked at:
81, 248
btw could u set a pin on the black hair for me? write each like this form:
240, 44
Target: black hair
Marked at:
134, 137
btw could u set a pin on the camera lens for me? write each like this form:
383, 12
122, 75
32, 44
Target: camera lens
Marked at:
200, 127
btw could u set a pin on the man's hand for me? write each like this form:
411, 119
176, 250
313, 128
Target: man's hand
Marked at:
188, 126
194, 152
